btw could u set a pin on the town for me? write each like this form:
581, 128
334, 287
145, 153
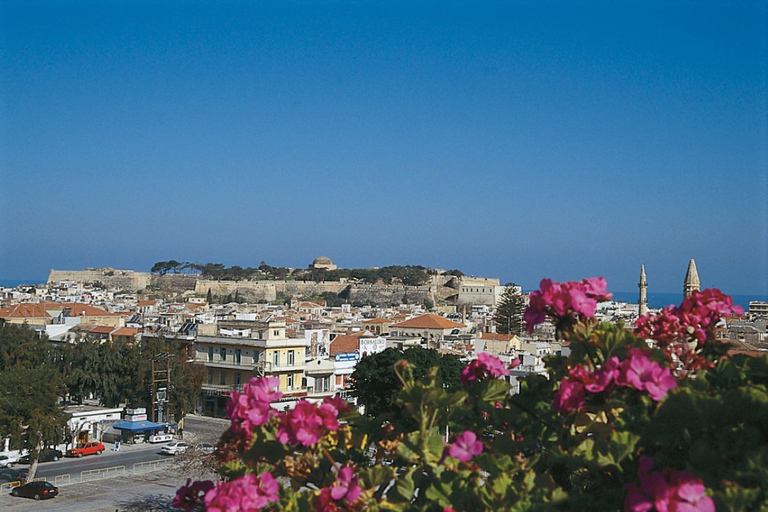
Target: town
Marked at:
202, 332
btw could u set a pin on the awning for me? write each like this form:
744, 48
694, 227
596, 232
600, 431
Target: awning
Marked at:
138, 426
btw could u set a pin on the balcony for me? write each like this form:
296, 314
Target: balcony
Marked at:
221, 389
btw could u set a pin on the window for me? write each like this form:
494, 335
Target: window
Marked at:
291, 358
276, 332
210, 353
276, 358
237, 379
210, 377
223, 354
238, 355
289, 381
222, 378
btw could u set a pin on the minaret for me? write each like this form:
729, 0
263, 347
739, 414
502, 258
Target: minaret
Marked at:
643, 299
692, 283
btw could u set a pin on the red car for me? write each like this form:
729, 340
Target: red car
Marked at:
86, 449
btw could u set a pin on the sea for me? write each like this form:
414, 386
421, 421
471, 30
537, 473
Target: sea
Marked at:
660, 300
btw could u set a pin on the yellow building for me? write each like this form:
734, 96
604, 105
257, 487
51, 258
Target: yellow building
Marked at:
233, 352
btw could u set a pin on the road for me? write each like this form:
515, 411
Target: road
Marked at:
127, 456
142, 492
198, 429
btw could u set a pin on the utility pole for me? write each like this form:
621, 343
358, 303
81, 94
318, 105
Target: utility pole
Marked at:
161, 386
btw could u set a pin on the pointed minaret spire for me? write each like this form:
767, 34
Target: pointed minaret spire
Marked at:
692, 283
643, 299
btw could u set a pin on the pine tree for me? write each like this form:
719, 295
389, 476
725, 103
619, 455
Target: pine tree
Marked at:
508, 316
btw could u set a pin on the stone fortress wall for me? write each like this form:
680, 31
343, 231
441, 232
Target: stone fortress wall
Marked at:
440, 288
125, 279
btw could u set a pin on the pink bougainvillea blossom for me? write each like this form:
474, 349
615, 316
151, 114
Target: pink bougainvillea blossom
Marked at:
251, 408
190, 496
637, 371
483, 367
570, 396
666, 491
247, 493
640, 372
692, 320
465, 446
346, 486
306, 423
565, 301
344, 492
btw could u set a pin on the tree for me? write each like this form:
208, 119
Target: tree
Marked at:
508, 316
376, 384
31, 384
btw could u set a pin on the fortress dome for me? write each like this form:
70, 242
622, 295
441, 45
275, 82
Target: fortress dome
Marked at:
323, 262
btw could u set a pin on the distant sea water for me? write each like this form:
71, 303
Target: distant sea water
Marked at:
11, 283
660, 300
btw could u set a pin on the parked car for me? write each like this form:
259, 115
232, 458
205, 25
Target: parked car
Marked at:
205, 447
45, 456
174, 448
37, 490
86, 449
7, 461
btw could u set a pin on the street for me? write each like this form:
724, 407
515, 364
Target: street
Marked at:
132, 491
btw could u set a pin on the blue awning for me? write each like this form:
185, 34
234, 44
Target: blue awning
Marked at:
138, 426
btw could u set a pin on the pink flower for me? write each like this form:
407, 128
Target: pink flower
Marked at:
666, 491
466, 446
483, 367
307, 423
346, 486
251, 408
640, 372
564, 302
189, 497
570, 396
343, 493
696, 316
602, 378
247, 493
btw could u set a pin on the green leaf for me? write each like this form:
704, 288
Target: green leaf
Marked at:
376, 476
404, 489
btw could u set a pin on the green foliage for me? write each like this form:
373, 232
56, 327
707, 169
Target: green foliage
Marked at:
376, 384
533, 457
31, 383
508, 315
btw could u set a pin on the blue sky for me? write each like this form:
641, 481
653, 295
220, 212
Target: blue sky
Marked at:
517, 140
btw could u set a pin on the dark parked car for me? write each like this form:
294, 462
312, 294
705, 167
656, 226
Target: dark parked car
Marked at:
45, 456
37, 490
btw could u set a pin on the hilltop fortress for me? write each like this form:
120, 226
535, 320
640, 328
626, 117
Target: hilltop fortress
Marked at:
441, 288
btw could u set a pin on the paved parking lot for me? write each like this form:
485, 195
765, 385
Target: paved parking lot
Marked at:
149, 492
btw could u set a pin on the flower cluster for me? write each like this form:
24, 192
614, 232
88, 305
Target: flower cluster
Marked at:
249, 492
346, 490
251, 408
637, 371
190, 497
306, 423
564, 301
483, 367
466, 446
666, 491
695, 316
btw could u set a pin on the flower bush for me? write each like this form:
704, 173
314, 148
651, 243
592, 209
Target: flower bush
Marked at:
655, 418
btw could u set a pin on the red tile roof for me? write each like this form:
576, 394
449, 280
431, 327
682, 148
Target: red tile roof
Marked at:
25, 310
101, 329
126, 331
429, 321
345, 343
